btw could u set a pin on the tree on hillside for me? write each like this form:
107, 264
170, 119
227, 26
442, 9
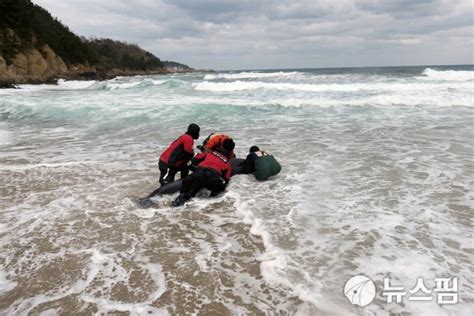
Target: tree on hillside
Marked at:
66, 44
116, 54
17, 15
27, 20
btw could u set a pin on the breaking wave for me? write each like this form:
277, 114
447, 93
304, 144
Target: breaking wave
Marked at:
253, 75
336, 87
448, 75
113, 84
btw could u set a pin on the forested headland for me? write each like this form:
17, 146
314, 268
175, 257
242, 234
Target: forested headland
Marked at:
37, 47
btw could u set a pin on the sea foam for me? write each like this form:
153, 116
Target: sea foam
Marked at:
253, 75
307, 87
447, 75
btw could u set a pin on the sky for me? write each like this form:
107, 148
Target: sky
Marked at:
264, 34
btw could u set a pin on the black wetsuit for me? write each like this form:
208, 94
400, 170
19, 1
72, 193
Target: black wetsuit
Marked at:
168, 174
213, 173
249, 163
200, 179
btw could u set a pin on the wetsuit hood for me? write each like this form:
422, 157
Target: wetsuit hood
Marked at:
254, 149
227, 148
228, 145
193, 130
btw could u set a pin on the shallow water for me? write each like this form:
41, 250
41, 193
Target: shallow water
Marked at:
377, 180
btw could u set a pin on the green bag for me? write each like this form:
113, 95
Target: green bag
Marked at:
265, 167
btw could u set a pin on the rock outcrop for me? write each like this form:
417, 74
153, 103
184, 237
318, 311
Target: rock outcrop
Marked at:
33, 65
54, 61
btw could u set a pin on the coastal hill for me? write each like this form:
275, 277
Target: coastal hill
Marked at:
36, 48
178, 67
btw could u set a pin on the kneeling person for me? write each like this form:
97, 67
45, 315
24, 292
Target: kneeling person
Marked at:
215, 142
261, 164
213, 172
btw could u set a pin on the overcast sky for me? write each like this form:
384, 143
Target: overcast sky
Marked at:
244, 34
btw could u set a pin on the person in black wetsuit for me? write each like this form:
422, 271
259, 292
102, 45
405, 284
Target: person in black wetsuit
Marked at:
176, 157
261, 164
249, 163
213, 172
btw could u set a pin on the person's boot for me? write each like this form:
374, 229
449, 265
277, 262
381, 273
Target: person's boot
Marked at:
180, 200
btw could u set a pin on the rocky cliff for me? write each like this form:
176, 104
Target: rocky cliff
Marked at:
40, 64
36, 47
33, 65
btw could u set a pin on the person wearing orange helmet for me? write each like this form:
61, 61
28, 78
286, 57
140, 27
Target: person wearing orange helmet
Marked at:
215, 141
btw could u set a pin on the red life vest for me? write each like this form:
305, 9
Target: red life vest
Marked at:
216, 161
179, 152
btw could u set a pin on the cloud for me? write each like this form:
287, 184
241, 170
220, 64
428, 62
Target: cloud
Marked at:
407, 8
228, 34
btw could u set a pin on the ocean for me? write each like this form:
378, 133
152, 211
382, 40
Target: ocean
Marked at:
376, 180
